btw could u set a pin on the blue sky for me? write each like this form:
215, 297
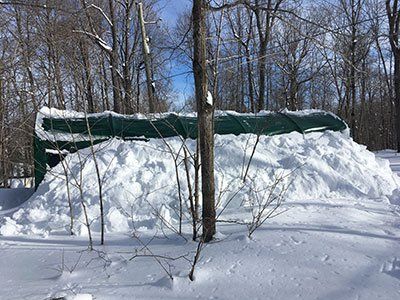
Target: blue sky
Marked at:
170, 11
172, 8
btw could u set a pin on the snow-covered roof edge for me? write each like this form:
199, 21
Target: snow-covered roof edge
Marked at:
57, 113
46, 112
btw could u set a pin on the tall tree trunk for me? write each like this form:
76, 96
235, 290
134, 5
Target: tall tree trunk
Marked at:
353, 70
205, 115
104, 83
147, 61
397, 95
261, 75
394, 20
114, 60
88, 83
265, 14
3, 158
128, 103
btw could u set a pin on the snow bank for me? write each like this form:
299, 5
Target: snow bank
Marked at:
139, 179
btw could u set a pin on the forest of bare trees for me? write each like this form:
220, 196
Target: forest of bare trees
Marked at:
94, 55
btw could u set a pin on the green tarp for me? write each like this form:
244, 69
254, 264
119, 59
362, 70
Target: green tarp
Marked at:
106, 126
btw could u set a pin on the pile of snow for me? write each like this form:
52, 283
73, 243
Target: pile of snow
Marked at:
394, 160
139, 179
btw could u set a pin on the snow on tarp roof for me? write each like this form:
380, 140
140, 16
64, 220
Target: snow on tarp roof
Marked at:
55, 134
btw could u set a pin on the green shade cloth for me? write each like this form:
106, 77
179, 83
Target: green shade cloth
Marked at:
105, 126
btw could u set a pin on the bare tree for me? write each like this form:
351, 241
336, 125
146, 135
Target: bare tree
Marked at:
205, 116
393, 14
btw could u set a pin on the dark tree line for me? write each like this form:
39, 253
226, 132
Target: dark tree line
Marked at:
74, 54
334, 57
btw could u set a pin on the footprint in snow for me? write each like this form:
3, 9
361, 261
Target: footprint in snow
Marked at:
388, 232
295, 241
232, 269
4, 246
392, 268
325, 258
210, 259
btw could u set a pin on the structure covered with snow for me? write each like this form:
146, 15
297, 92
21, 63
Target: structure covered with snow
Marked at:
335, 235
139, 179
59, 132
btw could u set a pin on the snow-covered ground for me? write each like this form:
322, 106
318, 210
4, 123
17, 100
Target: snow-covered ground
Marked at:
338, 237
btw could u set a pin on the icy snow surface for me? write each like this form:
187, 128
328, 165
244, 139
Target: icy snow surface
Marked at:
338, 237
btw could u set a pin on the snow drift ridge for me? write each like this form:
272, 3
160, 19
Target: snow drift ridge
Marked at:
139, 178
